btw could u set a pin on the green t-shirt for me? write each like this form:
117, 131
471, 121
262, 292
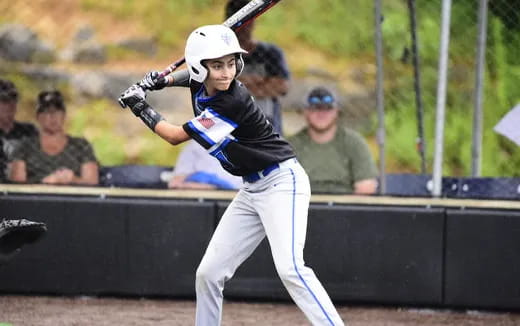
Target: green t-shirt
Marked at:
335, 166
39, 164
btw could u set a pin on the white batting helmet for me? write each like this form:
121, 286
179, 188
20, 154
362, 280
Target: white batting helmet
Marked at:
211, 42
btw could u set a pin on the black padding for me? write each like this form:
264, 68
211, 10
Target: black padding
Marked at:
134, 176
407, 184
419, 185
377, 254
489, 188
483, 259
168, 240
109, 246
362, 254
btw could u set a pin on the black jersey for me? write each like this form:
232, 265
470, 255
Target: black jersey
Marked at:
232, 128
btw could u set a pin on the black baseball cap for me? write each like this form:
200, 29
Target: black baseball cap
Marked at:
48, 100
321, 96
8, 92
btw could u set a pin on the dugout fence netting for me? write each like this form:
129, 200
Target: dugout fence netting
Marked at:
45, 46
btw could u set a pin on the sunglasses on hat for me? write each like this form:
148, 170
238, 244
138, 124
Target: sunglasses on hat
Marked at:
317, 100
321, 102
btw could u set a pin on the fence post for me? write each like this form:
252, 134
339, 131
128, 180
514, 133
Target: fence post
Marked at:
441, 98
476, 153
380, 96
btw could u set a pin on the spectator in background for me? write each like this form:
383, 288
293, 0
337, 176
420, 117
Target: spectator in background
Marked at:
54, 157
266, 73
197, 169
337, 159
11, 131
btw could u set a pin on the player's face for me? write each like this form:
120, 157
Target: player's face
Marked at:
51, 120
222, 71
321, 117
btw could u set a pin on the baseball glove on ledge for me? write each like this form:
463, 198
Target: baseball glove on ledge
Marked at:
16, 233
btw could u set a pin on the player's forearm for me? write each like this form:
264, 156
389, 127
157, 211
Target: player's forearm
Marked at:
179, 78
171, 133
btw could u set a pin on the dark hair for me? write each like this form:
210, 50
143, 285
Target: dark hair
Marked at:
234, 5
8, 92
50, 99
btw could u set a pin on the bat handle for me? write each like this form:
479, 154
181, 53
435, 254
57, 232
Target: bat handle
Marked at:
171, 68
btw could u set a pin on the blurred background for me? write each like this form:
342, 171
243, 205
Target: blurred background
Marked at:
94, 49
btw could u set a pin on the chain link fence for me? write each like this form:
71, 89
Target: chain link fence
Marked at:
316, 43
411, 70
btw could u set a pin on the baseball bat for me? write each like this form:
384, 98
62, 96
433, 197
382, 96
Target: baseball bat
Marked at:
239, 19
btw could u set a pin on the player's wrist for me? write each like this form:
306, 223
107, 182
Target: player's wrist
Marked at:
149, 116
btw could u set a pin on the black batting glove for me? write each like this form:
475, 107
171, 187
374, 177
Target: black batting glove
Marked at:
133, 98
153, 81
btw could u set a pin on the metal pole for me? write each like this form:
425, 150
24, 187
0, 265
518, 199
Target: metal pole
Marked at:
476, 149
441, 98
421, 143
380, 96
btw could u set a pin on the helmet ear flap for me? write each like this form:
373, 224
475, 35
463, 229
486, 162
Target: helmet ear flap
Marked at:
239, 62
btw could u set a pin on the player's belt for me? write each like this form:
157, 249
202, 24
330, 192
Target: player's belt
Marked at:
254, 177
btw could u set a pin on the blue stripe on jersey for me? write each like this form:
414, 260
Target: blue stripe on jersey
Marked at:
294, 257
201, 134
219, 153
216, 114
202, 98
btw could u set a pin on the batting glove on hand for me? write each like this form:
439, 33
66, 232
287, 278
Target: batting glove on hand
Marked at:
153, 81
132, 97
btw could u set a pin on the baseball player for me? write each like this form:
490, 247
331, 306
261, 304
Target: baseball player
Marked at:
274, 199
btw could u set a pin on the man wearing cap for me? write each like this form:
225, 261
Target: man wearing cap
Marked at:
337, 159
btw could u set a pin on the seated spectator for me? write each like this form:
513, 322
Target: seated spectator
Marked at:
54, 157
11, 131
196, 169
337, 159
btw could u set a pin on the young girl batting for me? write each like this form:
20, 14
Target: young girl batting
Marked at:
274, 199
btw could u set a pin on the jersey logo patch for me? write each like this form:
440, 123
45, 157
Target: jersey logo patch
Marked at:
206, 122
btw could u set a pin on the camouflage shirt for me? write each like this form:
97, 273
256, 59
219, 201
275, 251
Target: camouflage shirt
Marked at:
40, 164
335, 167
10, 140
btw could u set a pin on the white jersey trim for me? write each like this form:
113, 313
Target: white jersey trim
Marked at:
212, 127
